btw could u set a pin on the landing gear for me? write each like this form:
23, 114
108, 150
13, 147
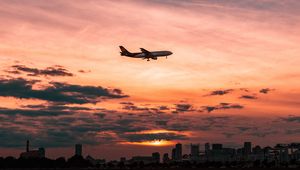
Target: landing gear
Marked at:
166, 57
148, 59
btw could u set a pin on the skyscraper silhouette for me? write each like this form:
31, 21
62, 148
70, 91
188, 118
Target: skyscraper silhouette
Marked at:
78, 149
178, 151
194, 151
247, 148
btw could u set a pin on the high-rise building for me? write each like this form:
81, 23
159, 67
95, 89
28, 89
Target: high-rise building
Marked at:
247, 148
207, 147
173, 153
194, 151
78, 149
166, 158
217, 146
156, 157
27, 146
178, 151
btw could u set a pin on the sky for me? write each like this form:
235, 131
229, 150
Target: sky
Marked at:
234, 75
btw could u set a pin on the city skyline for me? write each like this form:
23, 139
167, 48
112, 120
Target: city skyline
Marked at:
192, 152
233, 75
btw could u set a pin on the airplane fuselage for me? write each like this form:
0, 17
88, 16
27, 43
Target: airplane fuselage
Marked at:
145, 54
153, 54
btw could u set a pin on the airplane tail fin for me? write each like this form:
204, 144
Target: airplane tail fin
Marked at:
124, 51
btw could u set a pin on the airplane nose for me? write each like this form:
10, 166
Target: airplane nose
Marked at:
170, 53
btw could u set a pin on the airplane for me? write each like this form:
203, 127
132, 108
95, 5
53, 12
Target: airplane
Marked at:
145, 54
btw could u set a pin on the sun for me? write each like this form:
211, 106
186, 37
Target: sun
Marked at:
151, 143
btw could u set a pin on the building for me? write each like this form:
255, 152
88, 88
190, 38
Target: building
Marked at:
78, 149
156, 157
247, 148
207, 147
33, 154
178, 151
166, 158
216, 152
217, 146
195, 152
144, 159
122, 159
173, 153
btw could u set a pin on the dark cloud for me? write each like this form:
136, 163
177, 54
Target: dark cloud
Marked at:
58, 107
265, 90
245, 89
163, 108
145, 108
84, 71
135, 108
57, 92
154, 136
49, 71
13, 137
228, 134
262, 134
222, 106
127, 103
216, 119
161, 122
220, 92
292, 131
39, 110
184, 107
243, 129
291, 119
251, 97
100, 115
179, 126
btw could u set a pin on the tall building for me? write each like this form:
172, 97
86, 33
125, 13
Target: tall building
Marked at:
194, 151
156, 157
217, 146
178, 151
247, 148
78, 149
207, 147
173, 153
27, 146
166, 158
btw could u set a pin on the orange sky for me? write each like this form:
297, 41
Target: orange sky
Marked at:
239, 46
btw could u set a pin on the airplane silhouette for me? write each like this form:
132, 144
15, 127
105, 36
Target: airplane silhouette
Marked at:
145, 54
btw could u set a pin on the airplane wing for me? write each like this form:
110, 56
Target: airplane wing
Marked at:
146, 51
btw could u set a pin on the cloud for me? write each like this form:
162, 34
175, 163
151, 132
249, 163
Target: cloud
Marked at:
220, 92
265, 90
161, 122
222, 106
248, 97
44, 110
291, 119
84, 71
57, 92
215, 119
49, 71
292, 131
163, 108
135, 108
183, 107
153, 136
243, 129
127, 103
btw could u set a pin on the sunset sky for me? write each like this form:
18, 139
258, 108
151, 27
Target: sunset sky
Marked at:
234, 75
